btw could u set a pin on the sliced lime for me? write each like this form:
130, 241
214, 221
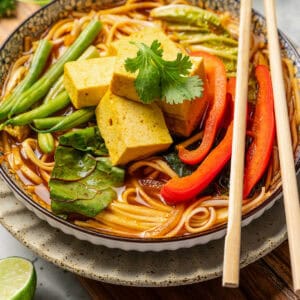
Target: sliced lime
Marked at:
17, 279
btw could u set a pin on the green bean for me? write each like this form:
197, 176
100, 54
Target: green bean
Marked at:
57, 88
36, 67
46, 123
77, 118
90, 52
46, 142
45, 110
43, 85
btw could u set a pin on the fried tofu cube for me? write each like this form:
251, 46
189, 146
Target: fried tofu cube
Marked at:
122, 81
131, 130
183, 118
20, 133
86, 81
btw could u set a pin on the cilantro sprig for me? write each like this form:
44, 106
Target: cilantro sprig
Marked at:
161, 79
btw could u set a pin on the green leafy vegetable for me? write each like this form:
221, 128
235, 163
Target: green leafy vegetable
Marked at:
210, 37
71, 165
161, 79
91, 192
187, 28
87, 140
180, 168
188, 14
91, 203
7, 7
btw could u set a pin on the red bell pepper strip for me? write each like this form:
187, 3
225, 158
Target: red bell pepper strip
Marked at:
216, 73
263, 127
185, 188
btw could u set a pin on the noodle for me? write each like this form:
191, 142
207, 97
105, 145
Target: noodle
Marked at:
139, 211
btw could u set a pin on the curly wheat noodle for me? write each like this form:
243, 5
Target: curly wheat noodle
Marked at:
13, 78
28, 145
137, 213
17, 159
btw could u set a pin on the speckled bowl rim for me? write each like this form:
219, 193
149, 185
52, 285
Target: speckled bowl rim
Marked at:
7, 177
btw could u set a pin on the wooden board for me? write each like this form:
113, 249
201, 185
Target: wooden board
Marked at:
268, 278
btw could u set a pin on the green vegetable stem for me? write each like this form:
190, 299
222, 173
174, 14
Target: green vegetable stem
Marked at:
46, 142
58, 87
43, 85
77, 118
46, 109
37, 65
7, 8
46, 123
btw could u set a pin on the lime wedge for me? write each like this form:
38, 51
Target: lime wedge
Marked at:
17, 279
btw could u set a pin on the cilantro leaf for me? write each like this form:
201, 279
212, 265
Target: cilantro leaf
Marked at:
161, 79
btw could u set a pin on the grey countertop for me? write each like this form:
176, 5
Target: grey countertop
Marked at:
57, 284
53, 283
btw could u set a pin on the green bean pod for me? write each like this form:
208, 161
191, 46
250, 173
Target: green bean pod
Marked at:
75, 119
46, 142
37, 65
58, 87
39, 89
45, 110
46, 123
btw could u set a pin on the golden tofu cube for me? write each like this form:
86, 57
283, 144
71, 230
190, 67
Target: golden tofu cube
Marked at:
86, 81
131, 130
20, 133
183, 118
122, 81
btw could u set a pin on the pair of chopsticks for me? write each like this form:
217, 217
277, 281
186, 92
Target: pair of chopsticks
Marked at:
289, 181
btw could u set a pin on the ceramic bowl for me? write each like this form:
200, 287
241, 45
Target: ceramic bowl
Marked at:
37, 24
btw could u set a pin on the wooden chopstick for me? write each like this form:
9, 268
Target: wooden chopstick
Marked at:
231, 262
286, 157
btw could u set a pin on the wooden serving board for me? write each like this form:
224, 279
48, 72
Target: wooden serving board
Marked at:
268, 278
